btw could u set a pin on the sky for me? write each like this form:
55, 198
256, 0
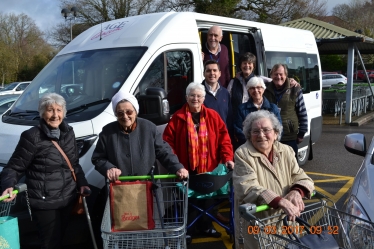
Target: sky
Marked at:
332, 3
47, 13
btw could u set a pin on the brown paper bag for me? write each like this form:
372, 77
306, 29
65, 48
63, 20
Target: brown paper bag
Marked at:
131, 206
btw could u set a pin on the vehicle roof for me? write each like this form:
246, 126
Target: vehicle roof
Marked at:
329, 74
18, 82
6, 97
157, 29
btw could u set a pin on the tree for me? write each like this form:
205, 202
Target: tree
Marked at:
20, 43
333, 62
358, 14
92, 12
269, 11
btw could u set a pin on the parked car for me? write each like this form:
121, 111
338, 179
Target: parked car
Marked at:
6, 101
361, 74
360, 197
331, 79
15, 88
371, 76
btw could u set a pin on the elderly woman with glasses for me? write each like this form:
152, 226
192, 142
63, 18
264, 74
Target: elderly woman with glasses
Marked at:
198, 136
52, 188
256, 101
131, 145
266, 172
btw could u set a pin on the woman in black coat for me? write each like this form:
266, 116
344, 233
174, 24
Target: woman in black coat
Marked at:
51, 186
131, 145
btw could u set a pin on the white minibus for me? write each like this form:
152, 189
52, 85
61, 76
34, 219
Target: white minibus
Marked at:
145, 54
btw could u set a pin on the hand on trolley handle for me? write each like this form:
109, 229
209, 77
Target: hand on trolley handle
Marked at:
9, 194
248, 210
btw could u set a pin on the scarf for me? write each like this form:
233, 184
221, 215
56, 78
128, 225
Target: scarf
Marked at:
197, 142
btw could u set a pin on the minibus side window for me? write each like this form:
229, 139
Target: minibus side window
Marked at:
313, 73
178, 67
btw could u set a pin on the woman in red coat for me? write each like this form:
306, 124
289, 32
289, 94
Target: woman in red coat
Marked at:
198, 136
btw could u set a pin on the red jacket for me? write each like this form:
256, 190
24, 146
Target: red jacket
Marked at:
219, 143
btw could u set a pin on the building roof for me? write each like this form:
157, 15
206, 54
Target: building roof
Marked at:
332, 39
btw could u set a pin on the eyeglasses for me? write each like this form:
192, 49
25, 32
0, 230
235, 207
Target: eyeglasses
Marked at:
192, 96
258, 88
258, 132
122, 113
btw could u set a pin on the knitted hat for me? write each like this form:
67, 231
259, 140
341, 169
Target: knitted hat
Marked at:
121, 95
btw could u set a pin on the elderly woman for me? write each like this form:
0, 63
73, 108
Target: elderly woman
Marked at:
256, 101
51, 185
266, 172
131, 145
198, 136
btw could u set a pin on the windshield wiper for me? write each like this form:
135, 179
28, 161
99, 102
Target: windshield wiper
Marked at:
85, 106
24, 113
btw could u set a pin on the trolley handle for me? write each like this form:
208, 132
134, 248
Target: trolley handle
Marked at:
18, 188
147, 177
247, 210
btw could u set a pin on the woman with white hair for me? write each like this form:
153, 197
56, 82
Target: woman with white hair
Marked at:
131, 145
199, 137
256, 101
266, 172
52, 187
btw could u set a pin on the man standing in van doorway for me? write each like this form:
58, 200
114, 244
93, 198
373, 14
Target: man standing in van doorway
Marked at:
290, 102
214, 50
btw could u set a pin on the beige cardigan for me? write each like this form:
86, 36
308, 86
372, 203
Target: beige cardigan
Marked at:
257, 181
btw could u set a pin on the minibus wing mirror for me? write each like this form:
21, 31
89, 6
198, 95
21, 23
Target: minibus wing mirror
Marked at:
154, 106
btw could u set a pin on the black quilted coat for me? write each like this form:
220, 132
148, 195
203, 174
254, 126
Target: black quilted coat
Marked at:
49, 180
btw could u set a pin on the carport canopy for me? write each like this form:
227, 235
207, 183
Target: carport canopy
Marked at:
332, 39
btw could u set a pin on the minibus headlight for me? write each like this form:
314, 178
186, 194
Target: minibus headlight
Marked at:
84, 144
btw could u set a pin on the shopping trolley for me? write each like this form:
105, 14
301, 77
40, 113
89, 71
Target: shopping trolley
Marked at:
349, 231
206, 184
5, 206
170, 221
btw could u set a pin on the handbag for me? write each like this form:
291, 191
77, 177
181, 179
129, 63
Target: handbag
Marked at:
78, 207
131, 206
9, 233
324, 240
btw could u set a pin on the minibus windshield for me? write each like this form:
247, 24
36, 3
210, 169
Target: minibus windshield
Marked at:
87, 80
